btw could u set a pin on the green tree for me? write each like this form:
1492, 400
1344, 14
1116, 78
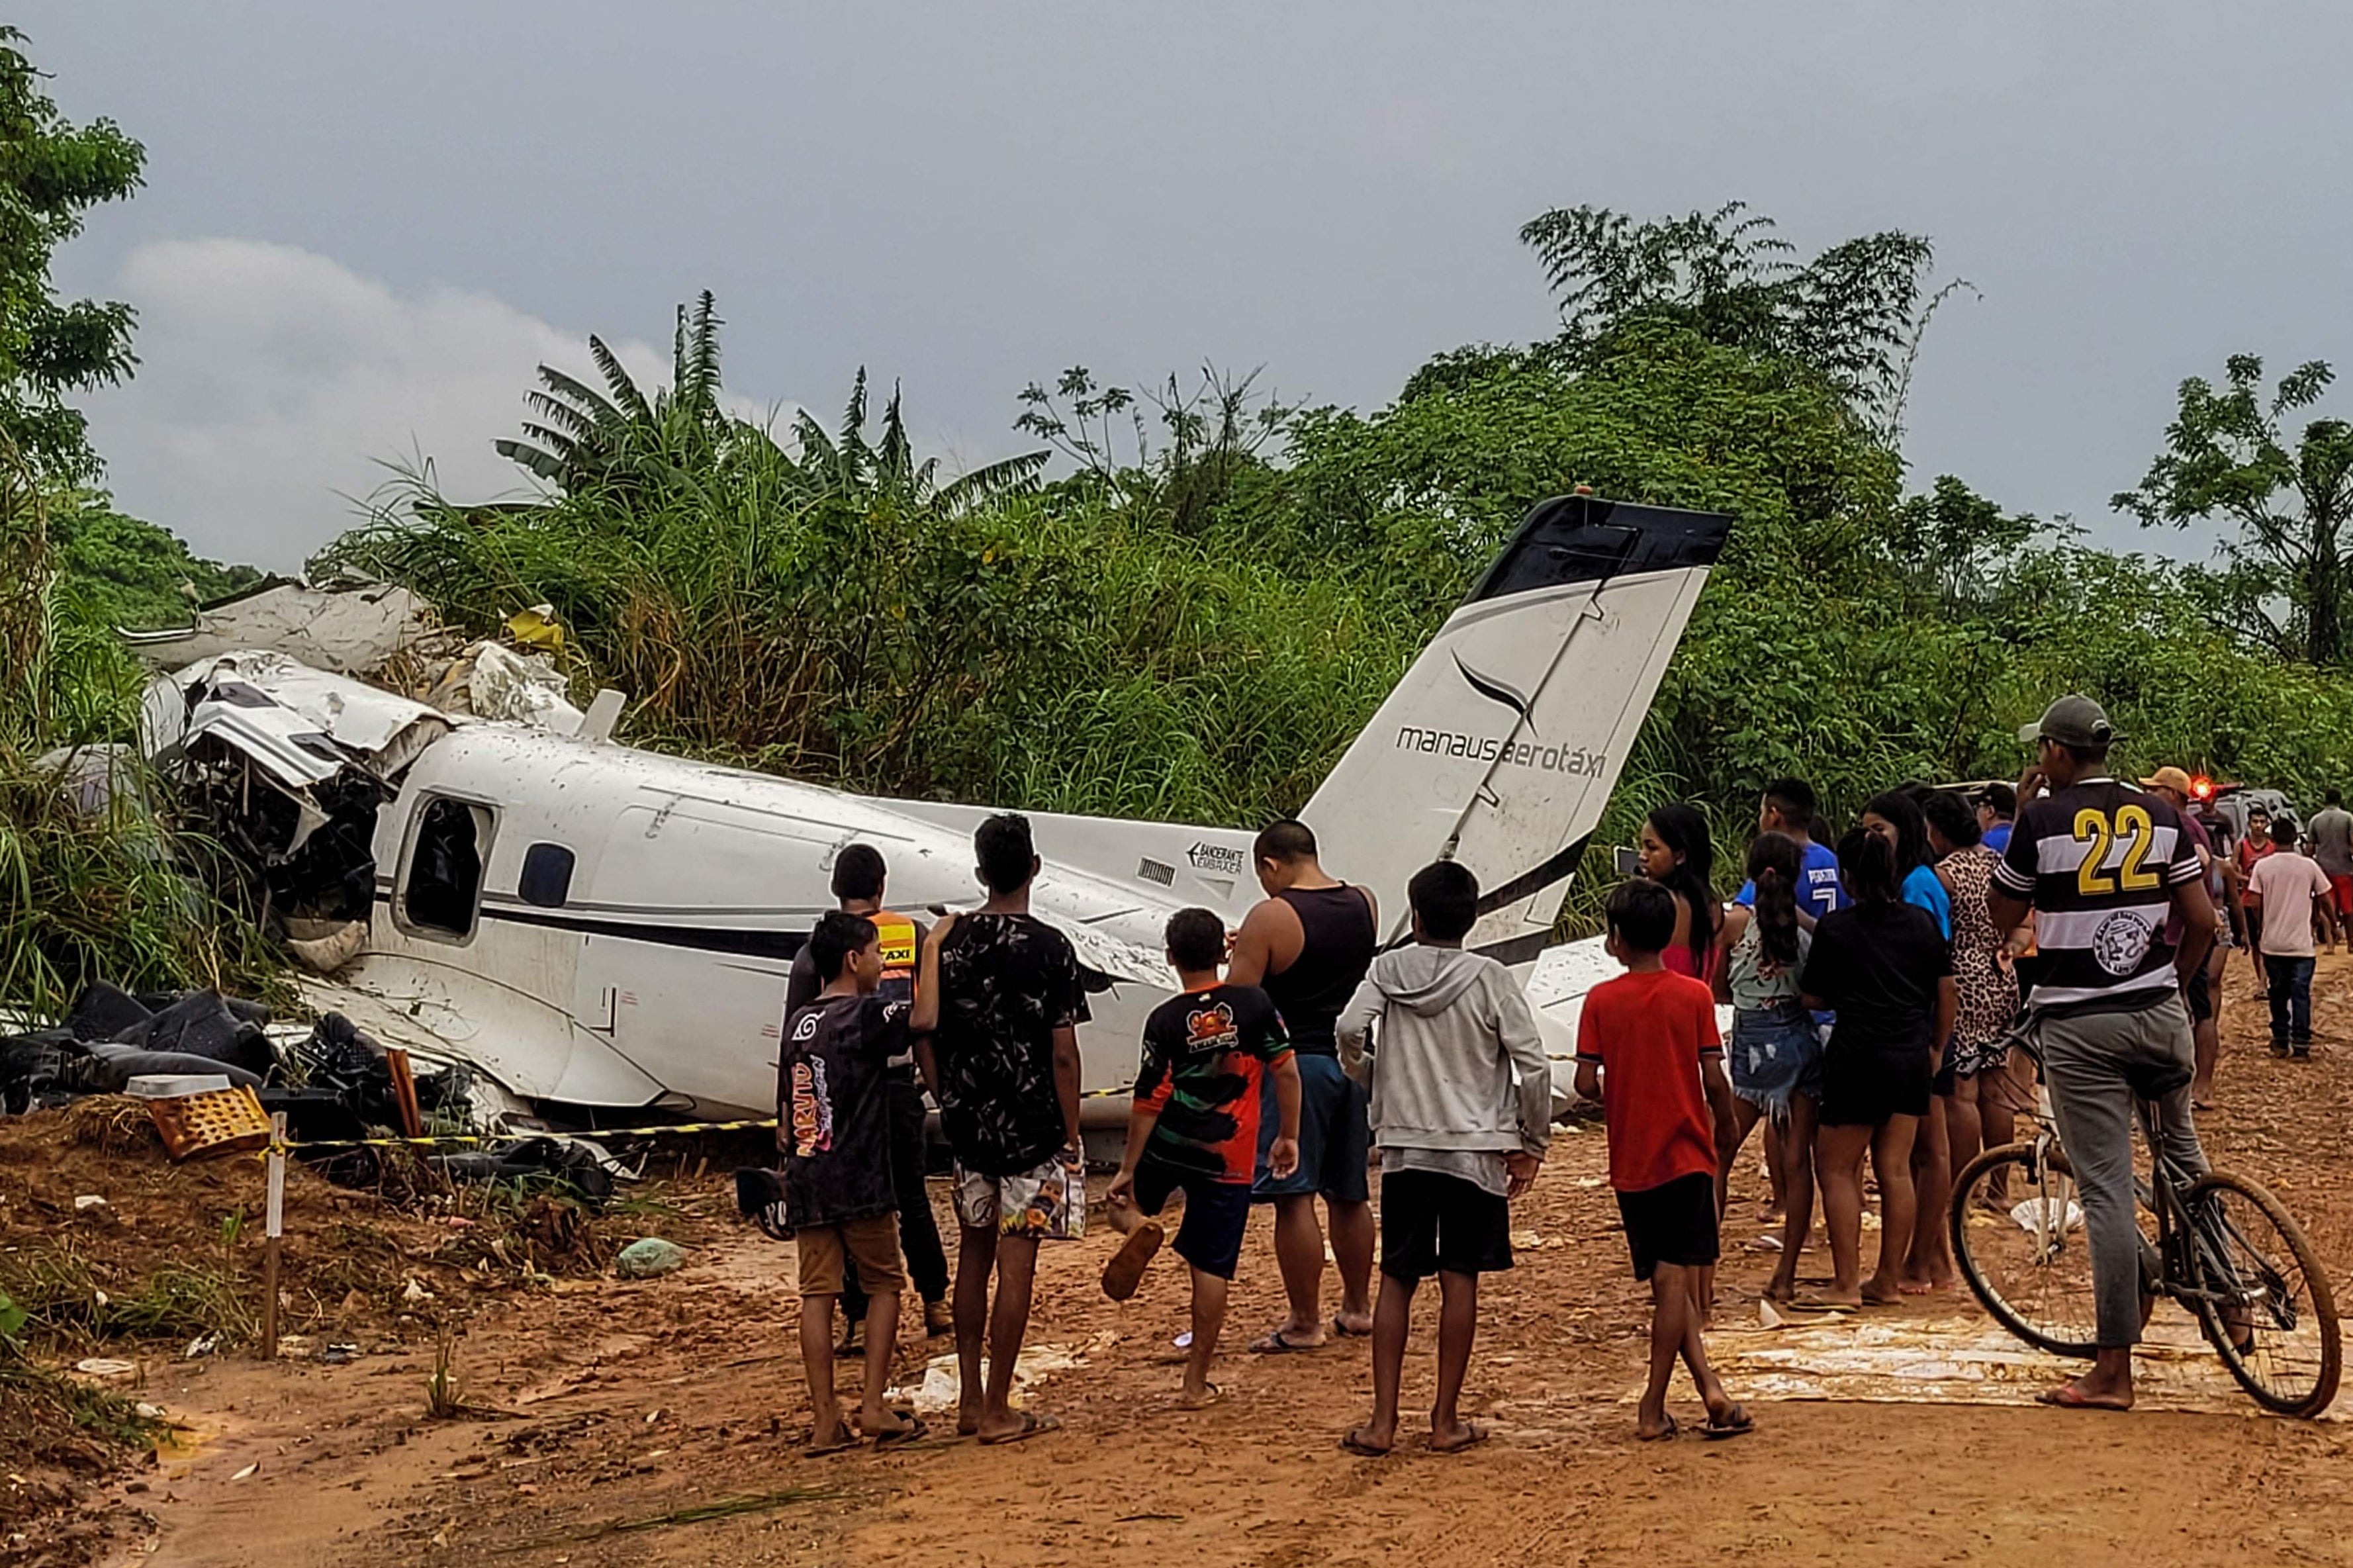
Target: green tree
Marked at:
1853, 314
577, 436
121, 572
2286, 575
52, 174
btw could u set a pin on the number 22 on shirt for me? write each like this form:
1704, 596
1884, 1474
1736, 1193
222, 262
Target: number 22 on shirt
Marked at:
2131, 829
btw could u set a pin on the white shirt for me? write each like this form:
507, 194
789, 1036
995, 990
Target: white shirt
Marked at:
2287, 882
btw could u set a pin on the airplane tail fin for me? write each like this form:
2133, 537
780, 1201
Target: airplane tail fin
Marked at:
1501, 745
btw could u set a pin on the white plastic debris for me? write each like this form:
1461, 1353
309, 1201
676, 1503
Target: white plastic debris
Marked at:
107, 1368
525, 688
87, 1202
414, 1291
203, 1345
175, 1086
2034, 1215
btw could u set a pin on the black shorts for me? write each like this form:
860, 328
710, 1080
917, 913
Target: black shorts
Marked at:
1863, 1086
1674, 1223
1947, 1078
1434, 1224
2198, 992
1216, 1213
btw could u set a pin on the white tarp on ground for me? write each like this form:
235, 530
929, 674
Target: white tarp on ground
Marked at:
347, 630
1967, 1360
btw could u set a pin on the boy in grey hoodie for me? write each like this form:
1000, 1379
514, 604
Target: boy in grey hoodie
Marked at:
1462, 1112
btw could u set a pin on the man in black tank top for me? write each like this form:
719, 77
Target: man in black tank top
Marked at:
1308, 946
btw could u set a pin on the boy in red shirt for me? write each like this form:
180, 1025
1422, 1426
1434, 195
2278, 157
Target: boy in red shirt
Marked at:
1647, 1047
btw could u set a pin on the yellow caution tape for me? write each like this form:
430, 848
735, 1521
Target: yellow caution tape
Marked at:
670, 1128
523, 1133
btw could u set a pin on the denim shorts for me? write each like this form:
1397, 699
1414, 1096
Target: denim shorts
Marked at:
1335, 1135
1773, 1056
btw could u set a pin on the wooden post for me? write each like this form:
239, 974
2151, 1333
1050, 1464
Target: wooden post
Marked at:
404, 1093
274, 1225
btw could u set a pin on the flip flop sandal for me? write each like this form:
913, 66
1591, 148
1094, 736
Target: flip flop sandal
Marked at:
1212, 1397
1362, 1449
1275, 1344
900, 1437
1733, 1422
2066, 1396
1672, 1428
1479, 1434
1126, 1270
1346, 1333
1031, 1425
842, 1445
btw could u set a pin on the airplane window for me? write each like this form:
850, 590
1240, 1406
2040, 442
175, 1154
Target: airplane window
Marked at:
445, 870
546, 876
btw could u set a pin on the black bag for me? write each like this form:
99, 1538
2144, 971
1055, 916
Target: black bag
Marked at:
760, 1198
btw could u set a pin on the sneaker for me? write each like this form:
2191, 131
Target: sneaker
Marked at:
938, 1318
2279, 1049
1125, 1272
2302, 1051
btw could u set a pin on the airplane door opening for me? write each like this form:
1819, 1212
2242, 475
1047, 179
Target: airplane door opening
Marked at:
444, 889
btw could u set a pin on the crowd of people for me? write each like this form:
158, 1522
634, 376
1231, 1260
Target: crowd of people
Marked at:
1876, 980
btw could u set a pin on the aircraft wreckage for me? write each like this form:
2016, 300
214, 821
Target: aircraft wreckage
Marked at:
489, 879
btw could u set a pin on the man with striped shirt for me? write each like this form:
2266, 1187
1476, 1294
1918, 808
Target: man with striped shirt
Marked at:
2103, 866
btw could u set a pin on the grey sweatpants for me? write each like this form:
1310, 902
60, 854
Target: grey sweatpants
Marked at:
2086, 1060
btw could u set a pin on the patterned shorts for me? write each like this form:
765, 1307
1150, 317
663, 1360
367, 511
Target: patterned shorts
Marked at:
1047, 1202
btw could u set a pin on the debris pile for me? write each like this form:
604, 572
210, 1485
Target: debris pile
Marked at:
112, 1037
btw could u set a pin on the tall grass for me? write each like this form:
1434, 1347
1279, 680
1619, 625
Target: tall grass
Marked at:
1125, 643
86, 893
1054, 652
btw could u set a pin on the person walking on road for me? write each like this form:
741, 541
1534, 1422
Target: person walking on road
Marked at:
2331, 834
1308, 945
2102, 866
2254, 848
2288, 888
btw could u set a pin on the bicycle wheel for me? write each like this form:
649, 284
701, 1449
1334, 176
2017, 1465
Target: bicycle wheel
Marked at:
2264, 1301
2032, 1265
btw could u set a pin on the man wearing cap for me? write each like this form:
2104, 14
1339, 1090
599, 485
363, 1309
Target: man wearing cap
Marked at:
2201, 991
2105, 869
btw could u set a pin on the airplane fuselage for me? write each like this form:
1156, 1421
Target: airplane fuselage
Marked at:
636, 914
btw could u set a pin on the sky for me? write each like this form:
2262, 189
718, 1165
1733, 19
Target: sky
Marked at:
363, 227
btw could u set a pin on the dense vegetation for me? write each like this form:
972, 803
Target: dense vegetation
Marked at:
1189, 599
1195, 622
84, 890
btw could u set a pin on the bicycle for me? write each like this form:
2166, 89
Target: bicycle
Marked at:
2223, 1248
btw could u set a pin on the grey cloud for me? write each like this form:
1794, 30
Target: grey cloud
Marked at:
966, 196
275, 384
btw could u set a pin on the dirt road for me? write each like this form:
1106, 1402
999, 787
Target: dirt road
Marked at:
613, 1410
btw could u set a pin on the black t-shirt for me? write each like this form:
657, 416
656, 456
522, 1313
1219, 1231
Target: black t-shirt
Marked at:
902, 940
832, 1108
2100, 859
1877, 966
1006, 984
1205, 1055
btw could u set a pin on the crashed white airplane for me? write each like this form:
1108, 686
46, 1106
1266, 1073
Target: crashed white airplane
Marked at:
603, 929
